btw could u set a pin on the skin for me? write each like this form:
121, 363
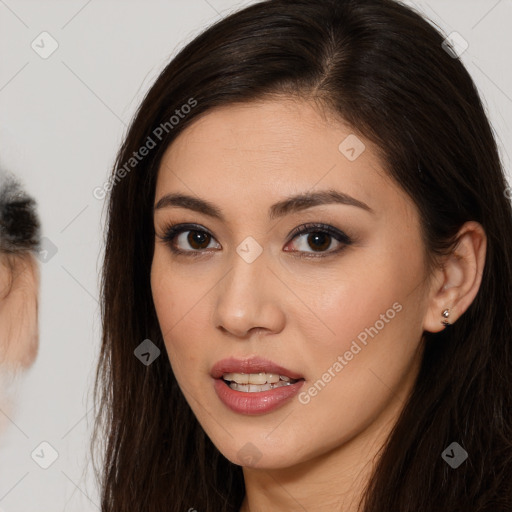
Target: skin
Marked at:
300, 313
19, 335
19, 288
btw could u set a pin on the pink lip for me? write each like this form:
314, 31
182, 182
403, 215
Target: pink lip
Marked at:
253, 403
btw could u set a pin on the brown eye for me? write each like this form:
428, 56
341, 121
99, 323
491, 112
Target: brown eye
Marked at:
188, 239
319, 241
317, 238
198, 239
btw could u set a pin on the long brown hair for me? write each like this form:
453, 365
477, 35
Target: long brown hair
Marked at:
382, 68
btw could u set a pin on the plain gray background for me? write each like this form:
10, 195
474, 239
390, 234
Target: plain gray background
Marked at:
62, 119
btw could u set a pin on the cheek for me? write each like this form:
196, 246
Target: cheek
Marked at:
374, 318
19, 335
352, 299
178, 306
367, 328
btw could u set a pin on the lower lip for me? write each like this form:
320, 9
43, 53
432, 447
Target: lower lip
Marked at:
258, 402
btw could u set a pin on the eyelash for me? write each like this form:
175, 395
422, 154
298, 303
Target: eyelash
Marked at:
171, 231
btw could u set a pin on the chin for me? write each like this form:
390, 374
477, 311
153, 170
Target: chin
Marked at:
252, 448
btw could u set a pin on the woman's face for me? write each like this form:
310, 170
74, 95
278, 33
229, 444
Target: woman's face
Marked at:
341, 311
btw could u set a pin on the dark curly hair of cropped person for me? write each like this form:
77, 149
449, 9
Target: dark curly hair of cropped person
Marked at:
19, 223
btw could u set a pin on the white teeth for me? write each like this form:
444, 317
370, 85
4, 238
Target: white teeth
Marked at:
255, 388
241, 378
257, 378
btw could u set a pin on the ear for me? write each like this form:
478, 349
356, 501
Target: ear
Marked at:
19, 288
457, 281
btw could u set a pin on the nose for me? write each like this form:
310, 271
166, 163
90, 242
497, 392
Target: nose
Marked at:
248, 299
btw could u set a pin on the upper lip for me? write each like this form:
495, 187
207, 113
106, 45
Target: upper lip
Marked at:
250, 365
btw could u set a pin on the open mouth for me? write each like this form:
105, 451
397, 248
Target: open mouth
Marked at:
254, 385
256, 382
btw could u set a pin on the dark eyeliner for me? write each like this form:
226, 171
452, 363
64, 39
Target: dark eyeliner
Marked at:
314, 227
172, 230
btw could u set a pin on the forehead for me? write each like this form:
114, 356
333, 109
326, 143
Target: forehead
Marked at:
263, 150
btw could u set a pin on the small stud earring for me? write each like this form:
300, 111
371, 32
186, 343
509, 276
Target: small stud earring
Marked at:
446, 314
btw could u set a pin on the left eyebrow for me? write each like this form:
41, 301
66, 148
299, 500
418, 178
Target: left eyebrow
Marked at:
309, 199
285, 207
